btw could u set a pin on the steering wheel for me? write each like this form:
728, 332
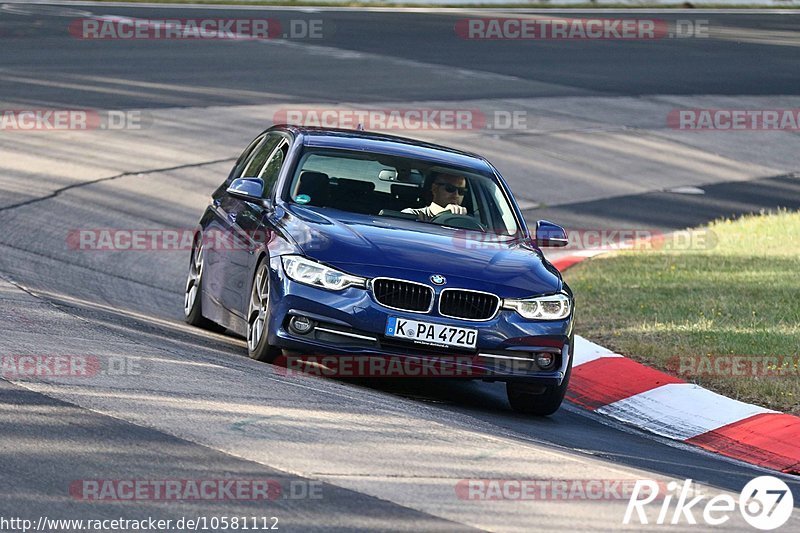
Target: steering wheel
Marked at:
446, 218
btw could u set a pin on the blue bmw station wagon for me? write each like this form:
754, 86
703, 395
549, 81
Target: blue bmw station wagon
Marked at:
346, 243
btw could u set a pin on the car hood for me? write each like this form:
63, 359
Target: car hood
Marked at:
371, 246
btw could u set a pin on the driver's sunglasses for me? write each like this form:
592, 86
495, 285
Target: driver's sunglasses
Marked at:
449, 187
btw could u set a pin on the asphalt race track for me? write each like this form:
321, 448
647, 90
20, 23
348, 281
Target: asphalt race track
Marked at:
596, 150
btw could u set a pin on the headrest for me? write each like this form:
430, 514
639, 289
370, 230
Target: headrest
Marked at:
405, 190
355, 186
315, 185
311, 178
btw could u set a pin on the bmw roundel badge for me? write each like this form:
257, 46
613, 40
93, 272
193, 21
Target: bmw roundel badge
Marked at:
438, 279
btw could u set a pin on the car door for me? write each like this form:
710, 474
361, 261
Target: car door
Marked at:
247, 220
217, 228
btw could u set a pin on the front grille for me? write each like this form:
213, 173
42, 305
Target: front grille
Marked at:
404, 295
471, 305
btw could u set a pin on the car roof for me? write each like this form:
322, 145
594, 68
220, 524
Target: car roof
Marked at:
386, 144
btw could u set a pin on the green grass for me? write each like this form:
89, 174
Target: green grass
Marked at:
738, 297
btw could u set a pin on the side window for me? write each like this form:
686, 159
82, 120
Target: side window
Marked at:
240, 163
273, 168
260, 155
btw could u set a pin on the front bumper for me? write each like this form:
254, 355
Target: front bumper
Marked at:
350, 322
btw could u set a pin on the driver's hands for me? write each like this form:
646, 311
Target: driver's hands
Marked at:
453, 208
456, 209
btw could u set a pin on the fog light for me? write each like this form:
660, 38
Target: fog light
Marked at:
301, 325
545, 360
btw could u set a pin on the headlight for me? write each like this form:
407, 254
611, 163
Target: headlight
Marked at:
310, 272
553, 307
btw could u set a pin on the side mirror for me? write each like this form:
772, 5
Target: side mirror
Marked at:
250, 189
549, 234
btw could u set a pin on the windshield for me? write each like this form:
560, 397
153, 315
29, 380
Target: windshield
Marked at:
400, 187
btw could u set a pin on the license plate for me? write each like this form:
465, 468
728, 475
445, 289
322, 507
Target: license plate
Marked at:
428, 333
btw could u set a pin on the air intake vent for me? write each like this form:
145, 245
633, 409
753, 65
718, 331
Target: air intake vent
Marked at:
471, 305
405, 295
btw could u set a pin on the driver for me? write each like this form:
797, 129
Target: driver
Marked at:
447, 191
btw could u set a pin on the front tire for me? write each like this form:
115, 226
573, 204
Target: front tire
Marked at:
545, 403
192, 309
258, 317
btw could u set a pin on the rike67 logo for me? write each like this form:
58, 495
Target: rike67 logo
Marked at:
765, 503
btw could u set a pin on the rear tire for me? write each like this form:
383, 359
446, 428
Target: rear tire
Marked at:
192, 305
545, 403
